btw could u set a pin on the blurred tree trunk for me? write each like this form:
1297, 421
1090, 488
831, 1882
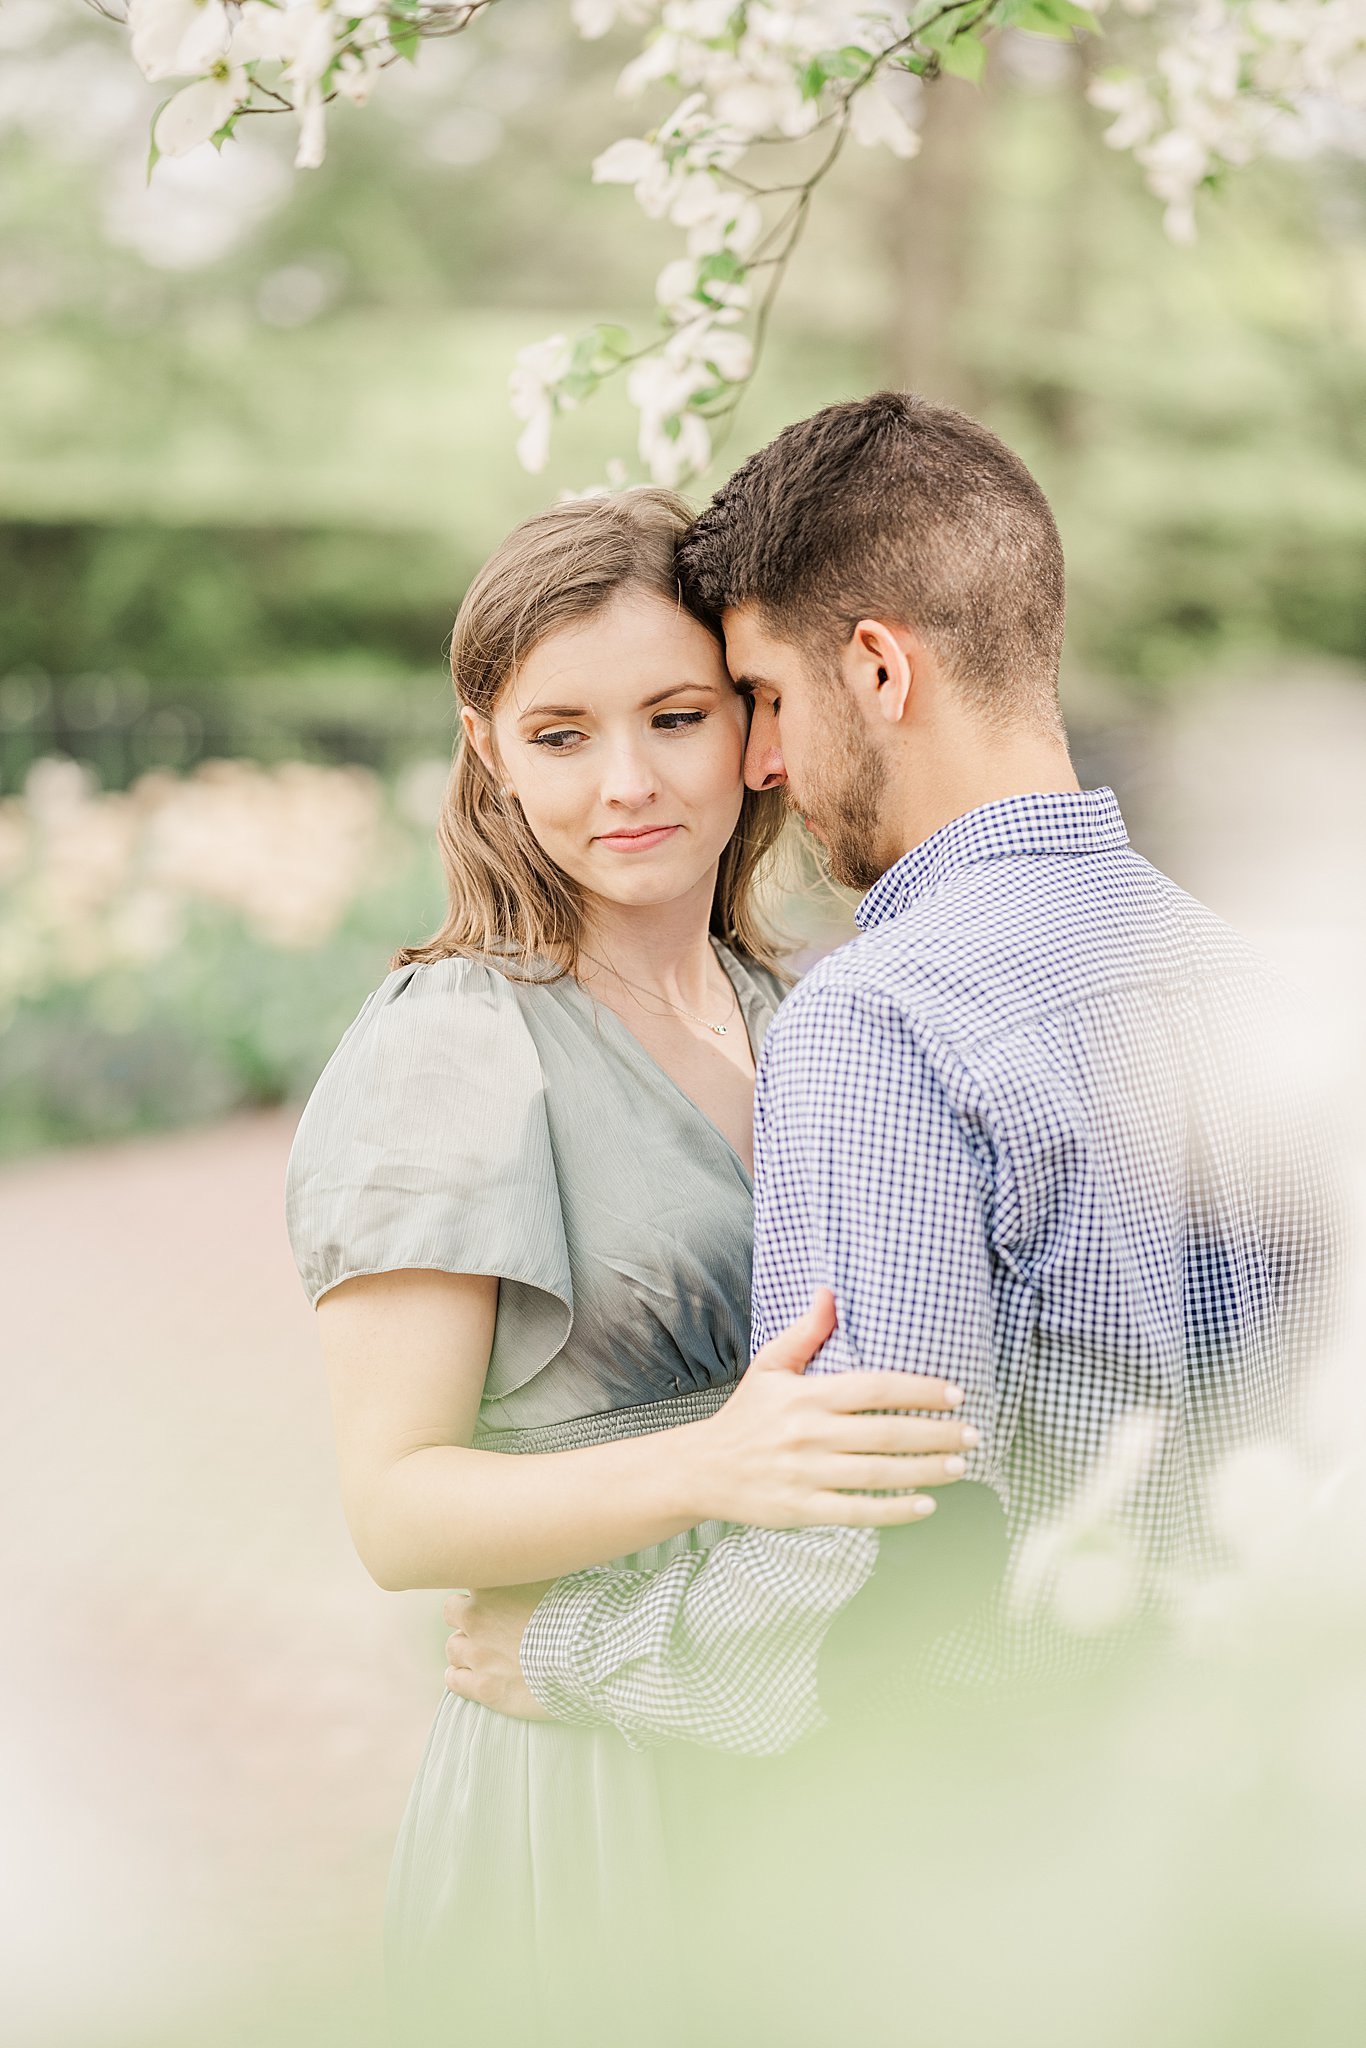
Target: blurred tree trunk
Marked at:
1061, 405
926, 234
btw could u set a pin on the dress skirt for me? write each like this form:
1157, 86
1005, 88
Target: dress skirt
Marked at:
531, 1897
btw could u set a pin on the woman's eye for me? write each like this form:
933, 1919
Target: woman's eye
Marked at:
559, 741
676, 721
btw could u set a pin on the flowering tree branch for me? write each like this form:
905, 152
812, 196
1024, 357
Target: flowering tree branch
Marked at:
1222, 82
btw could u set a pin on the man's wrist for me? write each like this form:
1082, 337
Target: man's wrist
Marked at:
547, 1654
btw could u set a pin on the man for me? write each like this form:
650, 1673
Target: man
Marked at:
1028, 1125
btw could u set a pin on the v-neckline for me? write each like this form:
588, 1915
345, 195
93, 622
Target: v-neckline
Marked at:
724, 957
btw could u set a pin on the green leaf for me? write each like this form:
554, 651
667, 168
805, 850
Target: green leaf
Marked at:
222, 134
965, 57
850, 62
1058, 18
153, 153
722, 266
405, 40
613, 341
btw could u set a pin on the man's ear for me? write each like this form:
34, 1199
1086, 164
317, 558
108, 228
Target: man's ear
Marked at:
880, 668
479, 735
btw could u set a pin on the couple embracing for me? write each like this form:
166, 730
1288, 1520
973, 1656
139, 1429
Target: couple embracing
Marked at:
1012, 1166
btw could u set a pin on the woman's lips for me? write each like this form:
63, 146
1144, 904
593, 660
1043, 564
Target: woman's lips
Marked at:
637, 842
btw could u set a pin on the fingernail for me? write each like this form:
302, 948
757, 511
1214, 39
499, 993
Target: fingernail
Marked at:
955, 1465
971, 1436
924, 1505
954, 1397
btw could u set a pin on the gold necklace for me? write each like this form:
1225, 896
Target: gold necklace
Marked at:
717, 1030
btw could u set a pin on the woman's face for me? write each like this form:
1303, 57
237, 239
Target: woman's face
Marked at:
623, 739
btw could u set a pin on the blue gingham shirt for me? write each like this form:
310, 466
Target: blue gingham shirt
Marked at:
1032, 1126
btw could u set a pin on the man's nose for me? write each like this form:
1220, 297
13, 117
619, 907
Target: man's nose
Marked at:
763, 756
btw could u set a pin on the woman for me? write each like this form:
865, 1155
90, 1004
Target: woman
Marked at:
520, 1196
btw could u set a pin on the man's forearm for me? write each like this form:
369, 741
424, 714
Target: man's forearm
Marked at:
720, 1647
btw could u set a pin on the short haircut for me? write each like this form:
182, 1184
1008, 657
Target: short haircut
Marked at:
893, 508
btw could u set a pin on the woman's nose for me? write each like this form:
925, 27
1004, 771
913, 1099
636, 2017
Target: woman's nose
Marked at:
628, 782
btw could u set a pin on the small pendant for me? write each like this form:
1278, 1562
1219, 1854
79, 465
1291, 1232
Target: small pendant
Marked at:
720, 1029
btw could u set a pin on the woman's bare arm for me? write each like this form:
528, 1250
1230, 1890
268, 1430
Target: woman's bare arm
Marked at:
407, 1354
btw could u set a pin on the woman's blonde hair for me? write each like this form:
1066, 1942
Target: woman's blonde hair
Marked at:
506, 895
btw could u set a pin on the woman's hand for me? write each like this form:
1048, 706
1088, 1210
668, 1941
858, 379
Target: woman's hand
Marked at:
789, 1451
483, 1650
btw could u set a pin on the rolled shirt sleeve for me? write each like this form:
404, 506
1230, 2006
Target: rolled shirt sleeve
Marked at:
873, 1177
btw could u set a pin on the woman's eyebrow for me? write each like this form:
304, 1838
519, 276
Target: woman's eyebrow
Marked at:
673, 690
552, 711
580, 710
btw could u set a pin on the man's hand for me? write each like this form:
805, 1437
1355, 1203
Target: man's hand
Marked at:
484, 1646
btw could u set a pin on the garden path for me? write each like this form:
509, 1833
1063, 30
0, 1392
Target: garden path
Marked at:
217, 1714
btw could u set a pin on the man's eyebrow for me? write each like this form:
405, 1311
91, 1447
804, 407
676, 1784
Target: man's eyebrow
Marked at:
580, 710
753, 683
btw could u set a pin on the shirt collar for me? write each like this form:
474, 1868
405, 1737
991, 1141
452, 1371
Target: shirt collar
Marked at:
1062, 821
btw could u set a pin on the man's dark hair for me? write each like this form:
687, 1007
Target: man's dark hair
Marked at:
893, 508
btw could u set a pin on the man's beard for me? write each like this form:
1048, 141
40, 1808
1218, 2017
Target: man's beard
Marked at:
843, 804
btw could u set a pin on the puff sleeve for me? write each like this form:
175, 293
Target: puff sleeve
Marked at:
425, 1144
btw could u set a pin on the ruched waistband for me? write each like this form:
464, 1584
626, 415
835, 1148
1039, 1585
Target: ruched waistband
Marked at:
611, 1424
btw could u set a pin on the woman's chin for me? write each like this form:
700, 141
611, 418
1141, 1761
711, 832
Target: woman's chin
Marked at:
645, 883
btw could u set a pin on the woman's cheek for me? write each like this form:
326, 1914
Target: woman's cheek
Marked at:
724, 759
553, 804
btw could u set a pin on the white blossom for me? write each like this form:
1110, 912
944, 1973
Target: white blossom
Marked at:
1097, 1588
676, 287
875, 120
533, 391
1233, 81
198, 111
594, 18
1081, 1564
726, 354
629, 162
672, 461
1228, 81
673, 440
355, 74
312, 130
1137, 113
731, 355
304, 39
1259, 1497
177, 38
715, 216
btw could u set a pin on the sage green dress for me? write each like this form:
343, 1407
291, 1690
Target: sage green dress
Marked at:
478, 1122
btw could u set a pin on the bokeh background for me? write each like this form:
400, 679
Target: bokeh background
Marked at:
253, 441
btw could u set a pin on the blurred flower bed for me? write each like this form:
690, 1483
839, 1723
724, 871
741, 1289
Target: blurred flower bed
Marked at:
198, 943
